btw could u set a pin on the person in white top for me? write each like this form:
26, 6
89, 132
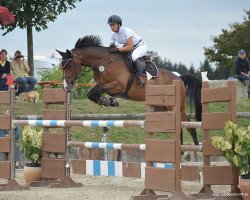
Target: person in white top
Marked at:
131, 42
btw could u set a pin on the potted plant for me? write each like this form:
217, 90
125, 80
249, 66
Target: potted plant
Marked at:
235, 147
31, 146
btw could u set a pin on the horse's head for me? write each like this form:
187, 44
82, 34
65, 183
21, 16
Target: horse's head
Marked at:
71, 69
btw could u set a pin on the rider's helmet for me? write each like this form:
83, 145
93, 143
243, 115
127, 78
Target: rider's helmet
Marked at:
114, 19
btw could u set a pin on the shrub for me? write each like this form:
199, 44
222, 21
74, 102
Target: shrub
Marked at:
236, 147
31, 144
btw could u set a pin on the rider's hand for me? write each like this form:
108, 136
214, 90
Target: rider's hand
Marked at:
114, 50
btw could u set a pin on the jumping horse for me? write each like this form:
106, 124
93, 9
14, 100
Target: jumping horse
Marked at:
113, 77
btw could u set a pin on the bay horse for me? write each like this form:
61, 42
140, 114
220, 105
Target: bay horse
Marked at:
113, 77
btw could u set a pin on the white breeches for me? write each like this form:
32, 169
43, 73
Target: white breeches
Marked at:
139, 51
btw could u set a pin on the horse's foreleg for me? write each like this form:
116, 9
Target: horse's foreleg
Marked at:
112, 88
95, 95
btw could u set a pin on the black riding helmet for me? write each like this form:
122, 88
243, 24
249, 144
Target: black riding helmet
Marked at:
114, 19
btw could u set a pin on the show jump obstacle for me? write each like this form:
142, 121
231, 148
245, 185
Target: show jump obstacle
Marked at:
169, 180
157, 151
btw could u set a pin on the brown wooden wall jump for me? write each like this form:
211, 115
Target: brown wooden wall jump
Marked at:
162, 150
5, 142
54, 143
217, 175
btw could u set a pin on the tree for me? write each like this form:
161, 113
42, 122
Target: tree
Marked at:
227, 45
35, 13
191, 70
206, 67
182, 69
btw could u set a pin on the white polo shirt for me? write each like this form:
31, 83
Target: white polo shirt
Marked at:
122, 36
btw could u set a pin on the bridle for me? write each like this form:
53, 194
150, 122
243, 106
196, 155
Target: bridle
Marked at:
85, 65
75, 76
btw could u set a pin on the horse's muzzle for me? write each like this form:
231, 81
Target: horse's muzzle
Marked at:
67, 86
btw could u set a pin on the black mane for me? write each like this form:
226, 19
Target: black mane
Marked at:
89, 41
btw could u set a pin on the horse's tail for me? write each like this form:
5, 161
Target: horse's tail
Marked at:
193, 90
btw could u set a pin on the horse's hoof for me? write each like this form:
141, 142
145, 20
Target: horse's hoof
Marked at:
113, 102
104, 102
187, 156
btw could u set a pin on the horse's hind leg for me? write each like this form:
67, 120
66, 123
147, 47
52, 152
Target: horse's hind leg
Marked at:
192, 131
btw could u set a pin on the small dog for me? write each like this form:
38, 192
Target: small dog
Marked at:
32, 96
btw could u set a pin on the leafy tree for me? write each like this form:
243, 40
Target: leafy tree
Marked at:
37, 14
227, 45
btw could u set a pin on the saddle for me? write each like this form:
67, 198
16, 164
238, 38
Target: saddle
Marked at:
146, 64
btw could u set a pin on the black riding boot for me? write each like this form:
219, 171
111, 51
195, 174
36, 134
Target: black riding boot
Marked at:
141, 82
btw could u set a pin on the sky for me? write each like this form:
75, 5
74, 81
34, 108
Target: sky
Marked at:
177, 30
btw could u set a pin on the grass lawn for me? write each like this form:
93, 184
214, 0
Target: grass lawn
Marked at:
121, 135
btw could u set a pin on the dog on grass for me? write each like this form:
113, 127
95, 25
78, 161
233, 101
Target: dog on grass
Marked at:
32, 96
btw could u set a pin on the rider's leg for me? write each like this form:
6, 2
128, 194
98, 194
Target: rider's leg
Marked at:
139, 52
139, 72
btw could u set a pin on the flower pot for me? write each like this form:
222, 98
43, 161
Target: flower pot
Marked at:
245, 188
31, 174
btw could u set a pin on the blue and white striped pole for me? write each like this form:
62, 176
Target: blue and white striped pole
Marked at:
86, 123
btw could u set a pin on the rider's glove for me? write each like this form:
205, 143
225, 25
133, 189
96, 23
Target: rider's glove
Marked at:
114, 50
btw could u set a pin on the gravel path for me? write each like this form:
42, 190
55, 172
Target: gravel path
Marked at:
95, 188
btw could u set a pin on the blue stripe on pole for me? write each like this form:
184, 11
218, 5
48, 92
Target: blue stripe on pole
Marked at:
39, 122
53, 123
97, 167
111, 168
111, 123
95, 123
168, 165
110, 145
95, 145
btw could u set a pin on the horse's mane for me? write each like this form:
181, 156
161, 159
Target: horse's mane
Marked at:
89, 41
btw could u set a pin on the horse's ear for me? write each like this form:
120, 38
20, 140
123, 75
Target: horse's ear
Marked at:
69, 53
61, 53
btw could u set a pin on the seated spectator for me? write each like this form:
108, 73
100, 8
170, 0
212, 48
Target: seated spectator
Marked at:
20, 70
242, 69
4, 70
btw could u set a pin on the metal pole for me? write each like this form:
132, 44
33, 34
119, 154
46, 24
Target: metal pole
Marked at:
104, 140
68, 138
13, 142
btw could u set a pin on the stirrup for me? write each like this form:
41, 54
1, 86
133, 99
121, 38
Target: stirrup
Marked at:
141, 82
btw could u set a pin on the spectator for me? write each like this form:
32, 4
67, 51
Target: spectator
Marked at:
4, 70
242, 70
20, 70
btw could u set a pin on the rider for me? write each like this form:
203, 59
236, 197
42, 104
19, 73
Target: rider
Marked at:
131, 42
